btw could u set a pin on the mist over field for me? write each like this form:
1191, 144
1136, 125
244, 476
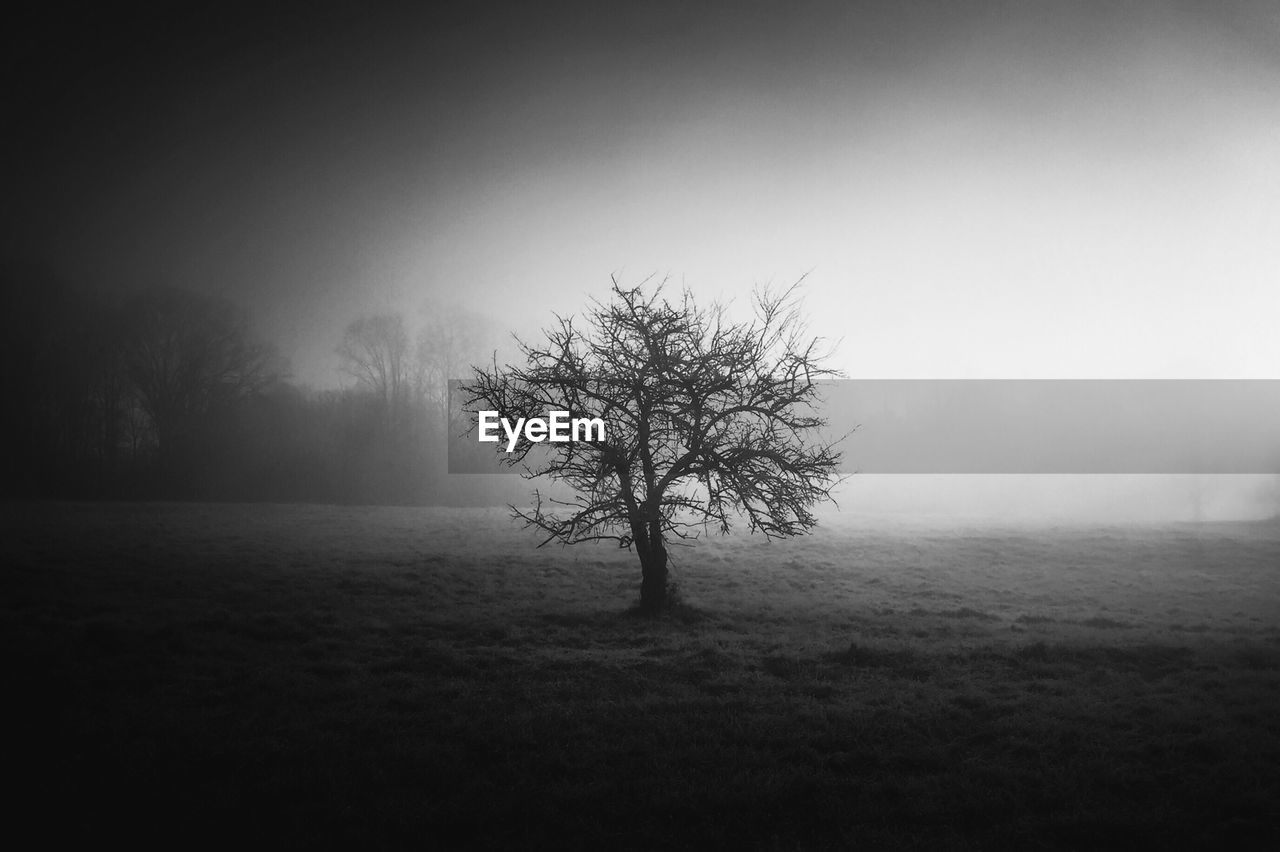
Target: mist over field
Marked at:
250, 255
1063, 498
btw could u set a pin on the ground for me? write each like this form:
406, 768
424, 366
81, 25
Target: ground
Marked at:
392, 677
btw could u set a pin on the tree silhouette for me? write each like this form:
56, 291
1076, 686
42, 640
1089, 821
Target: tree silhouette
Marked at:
707, 420
450, 339
375, 351
190, 355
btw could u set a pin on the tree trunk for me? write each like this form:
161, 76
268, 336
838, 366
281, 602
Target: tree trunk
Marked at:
653, 568
653, 584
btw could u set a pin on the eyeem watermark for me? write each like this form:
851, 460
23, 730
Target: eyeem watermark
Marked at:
999, 426
558, 428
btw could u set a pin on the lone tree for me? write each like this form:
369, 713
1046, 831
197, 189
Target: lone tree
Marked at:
707, 419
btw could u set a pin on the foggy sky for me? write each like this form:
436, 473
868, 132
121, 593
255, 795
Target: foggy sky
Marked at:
1017, 190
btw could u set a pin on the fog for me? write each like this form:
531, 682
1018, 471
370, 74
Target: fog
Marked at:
974, 191
1065, 499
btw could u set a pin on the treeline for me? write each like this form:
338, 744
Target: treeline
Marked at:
164, 393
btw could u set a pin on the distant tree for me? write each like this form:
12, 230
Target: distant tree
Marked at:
706, 418
375, 351
450, 340
190, 356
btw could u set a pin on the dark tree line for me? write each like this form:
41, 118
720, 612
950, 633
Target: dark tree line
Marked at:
164, 393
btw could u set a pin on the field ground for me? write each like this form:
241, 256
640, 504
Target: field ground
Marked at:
402, 677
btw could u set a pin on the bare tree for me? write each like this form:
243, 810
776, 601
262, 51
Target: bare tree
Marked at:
189, 354
707, 419
450, 340
375, 352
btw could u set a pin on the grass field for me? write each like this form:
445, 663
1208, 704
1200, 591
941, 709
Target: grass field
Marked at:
399, 677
